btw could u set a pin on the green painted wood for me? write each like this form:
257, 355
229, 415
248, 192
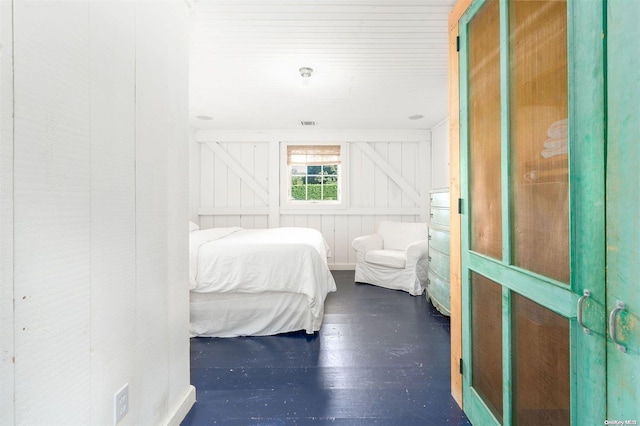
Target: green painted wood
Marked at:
507, 366
623, 207
439, 263
440, 216
542, 290
439, 288
439, 240
440, 198
474, 406
471, 401
505, 134
439, 291
586, 178
586, 112
476, 410
505, 165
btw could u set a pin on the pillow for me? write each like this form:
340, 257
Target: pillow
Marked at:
193, 227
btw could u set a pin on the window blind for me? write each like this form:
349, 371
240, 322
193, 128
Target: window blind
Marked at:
313, 155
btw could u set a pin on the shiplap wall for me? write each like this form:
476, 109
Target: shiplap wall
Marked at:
6, 217
94, 206
387, 175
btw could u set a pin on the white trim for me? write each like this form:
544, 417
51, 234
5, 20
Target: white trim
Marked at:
274, 184
342, 267
183, 409
239, 170
393, 175
323, 206
389, 135
359, 211
439, 123
424, 179
352, 211
233, 211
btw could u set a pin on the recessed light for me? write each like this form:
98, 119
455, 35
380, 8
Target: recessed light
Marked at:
204, 117
416, 117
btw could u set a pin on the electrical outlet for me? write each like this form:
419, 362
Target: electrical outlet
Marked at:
120, 404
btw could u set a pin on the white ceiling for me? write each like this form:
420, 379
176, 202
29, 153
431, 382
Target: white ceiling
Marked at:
375, 62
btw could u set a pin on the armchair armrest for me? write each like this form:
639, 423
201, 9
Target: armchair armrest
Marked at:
367, 242
416, 251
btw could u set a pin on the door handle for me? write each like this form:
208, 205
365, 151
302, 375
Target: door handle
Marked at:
620, 306
585, 296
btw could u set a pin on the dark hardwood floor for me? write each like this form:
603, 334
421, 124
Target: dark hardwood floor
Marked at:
381, 357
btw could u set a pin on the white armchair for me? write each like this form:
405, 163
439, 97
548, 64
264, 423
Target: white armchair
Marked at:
395, 257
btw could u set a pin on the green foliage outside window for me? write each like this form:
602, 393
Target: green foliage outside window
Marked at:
315, 183
315, 192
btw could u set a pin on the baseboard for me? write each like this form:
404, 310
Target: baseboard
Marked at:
343, 267
183, 409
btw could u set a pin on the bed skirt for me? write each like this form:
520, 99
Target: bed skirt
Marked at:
250, 314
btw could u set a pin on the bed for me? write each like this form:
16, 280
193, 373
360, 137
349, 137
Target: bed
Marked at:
254, 282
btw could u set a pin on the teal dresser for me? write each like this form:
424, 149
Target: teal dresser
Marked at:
438, 288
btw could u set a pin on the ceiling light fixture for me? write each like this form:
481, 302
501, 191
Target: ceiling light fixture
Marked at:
306, 71
204, 117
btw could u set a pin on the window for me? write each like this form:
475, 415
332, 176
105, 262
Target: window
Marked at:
314, 173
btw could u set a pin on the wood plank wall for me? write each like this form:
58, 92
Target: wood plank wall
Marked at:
94, 204
383, 173
7, 364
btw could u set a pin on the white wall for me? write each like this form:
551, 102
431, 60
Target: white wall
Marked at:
440, 155
94, 210
194, 177
388, 177
6, 218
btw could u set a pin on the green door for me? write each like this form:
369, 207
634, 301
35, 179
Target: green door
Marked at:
623, 210
533, 220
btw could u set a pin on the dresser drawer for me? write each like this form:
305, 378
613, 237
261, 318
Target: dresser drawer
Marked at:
440, 217
440, 199
439, 240
439, 291
439, 263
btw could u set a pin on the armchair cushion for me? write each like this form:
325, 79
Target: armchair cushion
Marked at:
389, 258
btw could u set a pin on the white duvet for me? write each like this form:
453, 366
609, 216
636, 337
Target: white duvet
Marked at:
237, 260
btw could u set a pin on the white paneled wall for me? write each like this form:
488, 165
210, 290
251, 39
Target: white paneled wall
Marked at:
387, 174
94, 209
7, 414
52, 206
194, 176
176, 30
440, 155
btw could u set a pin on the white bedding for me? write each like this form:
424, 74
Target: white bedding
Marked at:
237, 260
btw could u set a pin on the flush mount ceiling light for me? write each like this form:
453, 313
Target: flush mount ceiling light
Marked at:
204, 117
416, 117
306, 72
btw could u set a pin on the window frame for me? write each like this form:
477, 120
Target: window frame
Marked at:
286, 200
